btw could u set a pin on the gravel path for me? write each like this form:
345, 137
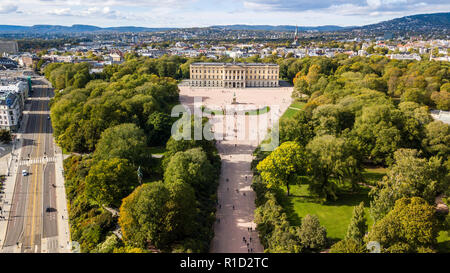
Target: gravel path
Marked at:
235, 211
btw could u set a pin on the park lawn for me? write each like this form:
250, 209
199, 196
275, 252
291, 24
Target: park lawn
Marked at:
372, 175
290, 112
334, 216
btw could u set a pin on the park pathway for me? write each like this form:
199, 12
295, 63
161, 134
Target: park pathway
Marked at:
236, 199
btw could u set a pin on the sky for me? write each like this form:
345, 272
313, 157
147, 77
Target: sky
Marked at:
202, 13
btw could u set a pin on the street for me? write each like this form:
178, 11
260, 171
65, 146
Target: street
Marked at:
33, 214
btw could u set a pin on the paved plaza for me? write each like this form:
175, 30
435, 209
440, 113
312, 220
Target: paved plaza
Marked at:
242, 134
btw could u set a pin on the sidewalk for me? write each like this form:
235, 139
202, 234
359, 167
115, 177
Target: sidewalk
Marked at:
65, 244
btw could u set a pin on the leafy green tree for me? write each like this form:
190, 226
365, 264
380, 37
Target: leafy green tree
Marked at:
110, 180
410, 176
411, 226
331, 157
283, 166
159, 128
284, 239
358, 225
437, 139
377, 130
313, 236
441, 99
108, 246
300, 129
124, 141
157, 215
348, 245
191, 167
331, 119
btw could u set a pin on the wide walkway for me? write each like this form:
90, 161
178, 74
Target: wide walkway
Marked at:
242, 134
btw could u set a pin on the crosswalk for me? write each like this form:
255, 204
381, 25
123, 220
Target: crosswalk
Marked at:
40, 160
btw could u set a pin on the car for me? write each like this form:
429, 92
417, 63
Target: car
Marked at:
24, 172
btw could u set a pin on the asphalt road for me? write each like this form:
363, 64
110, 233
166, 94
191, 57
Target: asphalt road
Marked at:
33, 211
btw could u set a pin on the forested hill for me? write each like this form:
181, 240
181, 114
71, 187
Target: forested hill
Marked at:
436, 23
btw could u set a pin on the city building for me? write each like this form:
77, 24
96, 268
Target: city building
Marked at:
12, 102
234, 75
10, 111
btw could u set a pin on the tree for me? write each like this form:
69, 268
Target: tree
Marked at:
5, 136
158, 127
283, 165
313, 236
331, 157
193, 168
358, 226
124, 141
110, 180
411, 226
377, 130
410, 176
437, 139
348, 245
284, 239
157, 215
331, 119
441, 99
299, 128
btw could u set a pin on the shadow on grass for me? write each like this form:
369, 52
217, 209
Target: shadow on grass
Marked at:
345, 198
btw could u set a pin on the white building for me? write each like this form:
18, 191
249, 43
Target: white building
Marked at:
12, 102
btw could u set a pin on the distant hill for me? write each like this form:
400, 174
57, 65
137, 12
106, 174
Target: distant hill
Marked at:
73, 29
279, 28
414, 24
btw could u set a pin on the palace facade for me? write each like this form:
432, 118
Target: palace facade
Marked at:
234, 75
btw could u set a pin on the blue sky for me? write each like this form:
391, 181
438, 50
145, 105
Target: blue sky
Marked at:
201, 13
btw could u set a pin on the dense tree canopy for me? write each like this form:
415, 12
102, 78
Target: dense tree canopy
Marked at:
110, 180
283, 165
411, 226
156, 214
410, 176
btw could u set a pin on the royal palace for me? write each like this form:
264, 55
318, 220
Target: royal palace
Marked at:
234, 75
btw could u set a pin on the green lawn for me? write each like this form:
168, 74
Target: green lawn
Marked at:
373, 175
334, 216
290, 112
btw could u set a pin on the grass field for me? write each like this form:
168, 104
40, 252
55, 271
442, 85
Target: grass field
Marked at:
374, 174
334, 216
293, 109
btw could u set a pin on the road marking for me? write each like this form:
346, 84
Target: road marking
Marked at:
35, 180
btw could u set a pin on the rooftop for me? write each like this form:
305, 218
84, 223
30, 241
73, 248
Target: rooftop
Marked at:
234, 64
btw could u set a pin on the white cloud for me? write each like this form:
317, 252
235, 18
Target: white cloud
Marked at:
8, 8
60, 12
